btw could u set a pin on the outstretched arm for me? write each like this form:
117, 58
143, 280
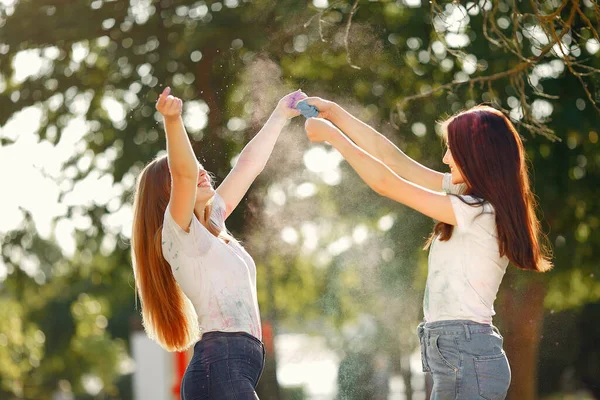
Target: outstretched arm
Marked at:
380, 177
182, 161
254, 156
378, 145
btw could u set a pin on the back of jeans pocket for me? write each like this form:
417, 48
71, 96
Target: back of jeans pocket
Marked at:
493, 376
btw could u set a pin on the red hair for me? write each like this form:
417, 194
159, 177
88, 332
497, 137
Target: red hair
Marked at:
490, 155
167, 314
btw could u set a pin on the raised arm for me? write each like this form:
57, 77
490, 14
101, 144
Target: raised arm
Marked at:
256, 153
182, 161
380, 177
378, 145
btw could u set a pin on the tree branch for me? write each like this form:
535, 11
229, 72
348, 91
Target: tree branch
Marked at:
354, 7
519, 74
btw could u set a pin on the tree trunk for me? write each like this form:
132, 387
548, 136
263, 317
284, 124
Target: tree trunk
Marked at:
211, 149
268, 387
521, 311
407, 377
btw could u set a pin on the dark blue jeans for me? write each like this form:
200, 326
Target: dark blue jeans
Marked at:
465, 359
225, 366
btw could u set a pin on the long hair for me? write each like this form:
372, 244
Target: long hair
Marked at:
490, 155
167, 314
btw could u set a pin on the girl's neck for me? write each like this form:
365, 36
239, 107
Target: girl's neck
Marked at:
199, 211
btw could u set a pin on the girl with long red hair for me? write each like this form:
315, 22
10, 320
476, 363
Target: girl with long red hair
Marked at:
486, 213
197, 284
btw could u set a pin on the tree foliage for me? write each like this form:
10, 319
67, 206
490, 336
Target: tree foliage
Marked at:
330, 249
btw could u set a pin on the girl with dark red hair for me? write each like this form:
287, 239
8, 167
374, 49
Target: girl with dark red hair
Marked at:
486, 213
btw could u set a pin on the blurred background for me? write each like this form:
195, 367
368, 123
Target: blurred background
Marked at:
341, 270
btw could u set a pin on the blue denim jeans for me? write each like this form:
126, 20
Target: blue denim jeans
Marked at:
465, 359
225, 366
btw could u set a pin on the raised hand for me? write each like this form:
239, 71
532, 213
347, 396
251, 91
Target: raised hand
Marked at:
169, 106
287, 104
325, 107
320, 130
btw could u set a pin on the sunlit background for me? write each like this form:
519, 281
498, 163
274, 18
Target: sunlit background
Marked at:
341, 270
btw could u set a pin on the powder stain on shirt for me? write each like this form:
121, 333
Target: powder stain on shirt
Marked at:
219, 278
464, 272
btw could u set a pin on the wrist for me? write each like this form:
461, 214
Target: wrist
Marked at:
334, 112
278, 116
334, 137
171, 118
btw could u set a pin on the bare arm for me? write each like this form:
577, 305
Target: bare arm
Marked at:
182, 161
256, 153
378, 145
380, 177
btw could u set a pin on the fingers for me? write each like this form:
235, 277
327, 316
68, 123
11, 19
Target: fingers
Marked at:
170, 103
308, 124
298, 99
162, 97
315, 129
167, 104
295, 97
320, 124
313, 122
173, 105
314, 101
318, 129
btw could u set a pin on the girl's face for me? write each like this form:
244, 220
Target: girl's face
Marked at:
204, 189
457, 176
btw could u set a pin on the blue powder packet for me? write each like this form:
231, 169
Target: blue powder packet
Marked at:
307, 110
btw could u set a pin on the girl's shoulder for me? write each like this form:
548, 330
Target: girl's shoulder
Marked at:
177, 242
471, 211
475, 201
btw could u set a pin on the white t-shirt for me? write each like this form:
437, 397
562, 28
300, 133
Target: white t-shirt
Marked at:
219, 278
465, 272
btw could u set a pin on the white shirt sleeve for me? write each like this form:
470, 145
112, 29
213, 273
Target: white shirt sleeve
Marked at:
217, 216
176, 242
449, 187
466, 213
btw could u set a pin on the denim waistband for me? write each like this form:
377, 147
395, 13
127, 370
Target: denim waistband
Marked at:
219, 334
456, 328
